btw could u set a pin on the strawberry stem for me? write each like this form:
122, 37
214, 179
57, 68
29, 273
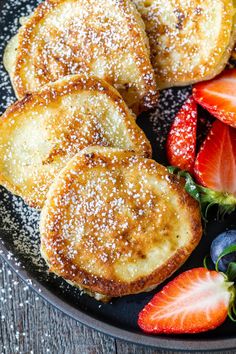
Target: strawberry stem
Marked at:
206, 258
232, 309
225, 201
226, 251
206, 197
231, 313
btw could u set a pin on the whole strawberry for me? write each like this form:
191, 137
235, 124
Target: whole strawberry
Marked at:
181, 140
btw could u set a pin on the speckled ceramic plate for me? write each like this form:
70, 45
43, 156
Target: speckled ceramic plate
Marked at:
19, 234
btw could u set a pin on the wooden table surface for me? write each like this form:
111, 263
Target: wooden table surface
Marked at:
29, 325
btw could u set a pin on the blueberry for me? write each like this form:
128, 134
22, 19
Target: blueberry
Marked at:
222, 241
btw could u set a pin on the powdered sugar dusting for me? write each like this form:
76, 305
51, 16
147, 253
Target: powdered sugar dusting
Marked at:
190, 39
11, 12
106, 220
170, 102
105, 38
21, 225
22, 221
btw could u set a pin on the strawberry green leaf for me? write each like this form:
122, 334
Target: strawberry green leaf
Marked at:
227, 250
231, 271
206, 197
232, 309
205, 260
231, 313
190, 186
173, 170
225, 201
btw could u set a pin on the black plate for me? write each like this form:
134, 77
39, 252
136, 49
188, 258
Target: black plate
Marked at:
19, 235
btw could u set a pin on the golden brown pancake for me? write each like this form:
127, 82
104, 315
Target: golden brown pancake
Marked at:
190, 41
103, 37
42, 132
115, 223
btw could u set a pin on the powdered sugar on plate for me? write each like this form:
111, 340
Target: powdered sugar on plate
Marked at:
20, 221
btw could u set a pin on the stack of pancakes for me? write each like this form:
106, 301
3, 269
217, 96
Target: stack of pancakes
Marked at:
114, 222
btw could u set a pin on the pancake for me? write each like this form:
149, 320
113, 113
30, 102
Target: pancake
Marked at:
115, 223
42, 132
103, 37
10, 53
190, 41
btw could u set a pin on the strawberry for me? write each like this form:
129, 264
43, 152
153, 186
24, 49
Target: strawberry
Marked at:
218, 96
181, 141
204, 124
215, 165
196, 301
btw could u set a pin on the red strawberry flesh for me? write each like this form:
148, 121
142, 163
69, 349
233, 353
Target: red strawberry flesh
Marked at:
181, 141
196, 301
218, 96
215, 165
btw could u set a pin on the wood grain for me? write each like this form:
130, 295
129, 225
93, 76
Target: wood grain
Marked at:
29, 325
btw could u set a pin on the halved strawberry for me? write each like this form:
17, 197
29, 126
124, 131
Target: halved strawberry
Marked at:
218, 96
204, 124
196, 301
215, 165
181, 141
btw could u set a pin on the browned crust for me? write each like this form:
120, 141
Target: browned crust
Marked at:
112, 288
149, 100
66, 86
210, 67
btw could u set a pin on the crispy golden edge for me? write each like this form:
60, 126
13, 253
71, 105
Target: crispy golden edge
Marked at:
112, 288
233, 53
151, 94
66, 86
219, 66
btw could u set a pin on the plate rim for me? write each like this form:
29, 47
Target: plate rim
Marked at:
157, 342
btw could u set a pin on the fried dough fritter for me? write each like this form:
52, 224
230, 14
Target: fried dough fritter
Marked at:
115, 223
103, 37
42, 132
190, 41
